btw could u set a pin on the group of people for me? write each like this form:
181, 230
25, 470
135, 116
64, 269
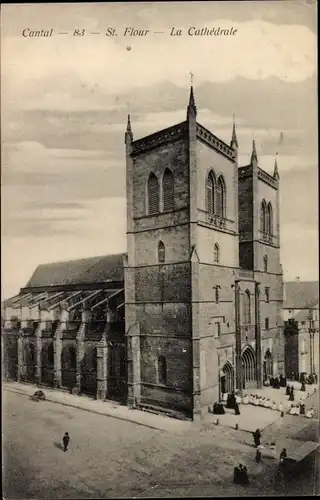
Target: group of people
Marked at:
290, 392
310, 379
233, 401
300, 409
276, 382
241, 475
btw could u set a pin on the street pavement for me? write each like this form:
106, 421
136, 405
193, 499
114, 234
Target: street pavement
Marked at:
112, 458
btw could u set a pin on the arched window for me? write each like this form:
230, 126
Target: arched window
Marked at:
221, 198
162, 370
263, 211
161, 252
265, 263
246, 308
168, 190
153, 195
216, 253
270, 219
210, 188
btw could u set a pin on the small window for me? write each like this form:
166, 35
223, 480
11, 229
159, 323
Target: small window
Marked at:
50, 354
162, 370
161, 252
123, 362
112, 355
216, 253
265, 263
218, 329
266, 323
267, 294
217, 294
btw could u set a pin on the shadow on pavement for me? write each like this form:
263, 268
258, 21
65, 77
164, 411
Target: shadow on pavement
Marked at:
58, 445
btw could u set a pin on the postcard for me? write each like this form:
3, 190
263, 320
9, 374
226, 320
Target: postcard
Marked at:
160, 290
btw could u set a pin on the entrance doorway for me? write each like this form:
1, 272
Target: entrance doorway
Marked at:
249, 367
268, 365
227, 378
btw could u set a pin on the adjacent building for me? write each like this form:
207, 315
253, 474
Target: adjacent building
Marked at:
301, 319
194, 306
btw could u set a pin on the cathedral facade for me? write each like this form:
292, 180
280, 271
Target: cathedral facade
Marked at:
191, 310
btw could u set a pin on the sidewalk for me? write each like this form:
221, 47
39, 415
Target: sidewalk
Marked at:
107, 408
257, 417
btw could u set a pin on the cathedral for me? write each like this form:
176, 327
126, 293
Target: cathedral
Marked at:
192, 310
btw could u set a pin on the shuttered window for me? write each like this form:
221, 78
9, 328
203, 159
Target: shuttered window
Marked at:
210, 193
221, 198
153, 195
270, 219
263, 216
168, 190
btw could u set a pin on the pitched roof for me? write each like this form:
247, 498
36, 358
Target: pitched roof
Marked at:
90, 270
301, 294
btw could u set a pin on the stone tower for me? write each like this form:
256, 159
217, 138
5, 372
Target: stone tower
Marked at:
182, 241
259, 253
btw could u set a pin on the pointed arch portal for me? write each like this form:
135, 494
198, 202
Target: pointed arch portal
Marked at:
227, 378
248, 366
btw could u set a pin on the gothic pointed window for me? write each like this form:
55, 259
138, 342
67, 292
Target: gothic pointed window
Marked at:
263, 211
217, 294
210, 188
153, 195
162, 370
221, 198
161, 252
270, 219
216, 253
168, 190
246, 308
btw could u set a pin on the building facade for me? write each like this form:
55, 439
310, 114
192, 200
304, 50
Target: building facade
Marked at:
301, 331
201, 285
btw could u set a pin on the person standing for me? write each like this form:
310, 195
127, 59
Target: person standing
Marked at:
66, 440
236, 409
257, 437
283, 455
291, 397
258, 456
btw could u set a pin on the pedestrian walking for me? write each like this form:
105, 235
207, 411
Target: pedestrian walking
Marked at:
291, 397
283, 455
236, 409
258, 456
257, 436
66, 439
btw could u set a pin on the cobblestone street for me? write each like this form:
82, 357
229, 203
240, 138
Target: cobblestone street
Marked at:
109, 457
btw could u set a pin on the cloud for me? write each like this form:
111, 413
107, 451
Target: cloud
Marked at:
288, 53
299, 252
100, 230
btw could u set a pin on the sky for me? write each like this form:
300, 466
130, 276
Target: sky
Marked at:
65, 99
